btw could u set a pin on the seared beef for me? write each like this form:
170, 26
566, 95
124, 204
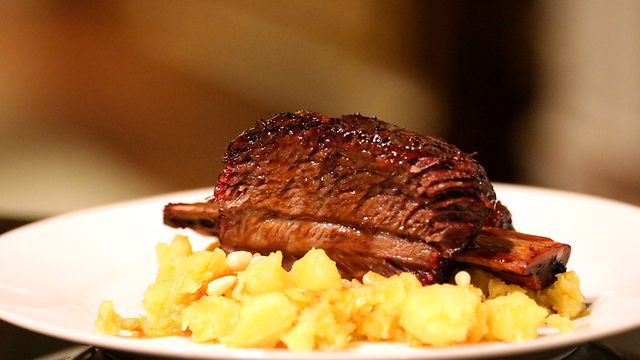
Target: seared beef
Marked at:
373, 195
355, 251
359, 172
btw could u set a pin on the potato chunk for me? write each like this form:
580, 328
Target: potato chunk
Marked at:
264, 275
108, 321
564, 295
169, 256
514, 317
210, 317
440, 314
263, 319
315, 271
179, 286
319, 327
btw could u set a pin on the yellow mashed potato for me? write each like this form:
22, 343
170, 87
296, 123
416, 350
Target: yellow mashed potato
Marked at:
242, 300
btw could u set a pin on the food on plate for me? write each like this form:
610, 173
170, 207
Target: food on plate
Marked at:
244, 300
335, 230
374, 196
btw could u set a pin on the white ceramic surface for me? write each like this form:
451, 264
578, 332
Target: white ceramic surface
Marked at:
54, 274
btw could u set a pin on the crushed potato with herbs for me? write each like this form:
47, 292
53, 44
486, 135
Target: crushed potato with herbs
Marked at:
250, 301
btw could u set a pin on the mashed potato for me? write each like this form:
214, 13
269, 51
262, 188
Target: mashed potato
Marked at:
242, 300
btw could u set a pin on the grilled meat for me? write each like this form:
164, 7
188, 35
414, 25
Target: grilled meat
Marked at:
373, 195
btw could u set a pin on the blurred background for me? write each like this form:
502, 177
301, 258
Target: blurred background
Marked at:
106, 101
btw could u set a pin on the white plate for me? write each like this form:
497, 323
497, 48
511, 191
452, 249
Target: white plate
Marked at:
54, 274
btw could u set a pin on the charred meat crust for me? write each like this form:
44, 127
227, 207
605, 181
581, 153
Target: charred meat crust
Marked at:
359, 172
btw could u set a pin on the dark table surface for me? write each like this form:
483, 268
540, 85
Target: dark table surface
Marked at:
21, 344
